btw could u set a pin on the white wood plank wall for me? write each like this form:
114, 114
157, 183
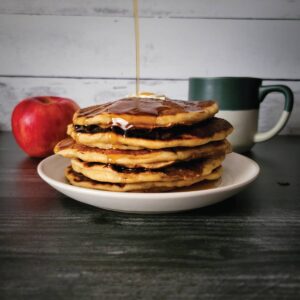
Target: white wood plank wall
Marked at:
84, 49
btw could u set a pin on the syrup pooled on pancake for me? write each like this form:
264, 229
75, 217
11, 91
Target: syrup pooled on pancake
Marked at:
145, 107
145, 112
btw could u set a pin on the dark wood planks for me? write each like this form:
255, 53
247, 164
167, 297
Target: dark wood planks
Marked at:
246, 247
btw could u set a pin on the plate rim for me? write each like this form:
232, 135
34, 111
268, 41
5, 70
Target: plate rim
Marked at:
162, 195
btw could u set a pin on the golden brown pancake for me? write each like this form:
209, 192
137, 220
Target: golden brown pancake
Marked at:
214, 129
80, 180
146, 113
145, 158
117, 174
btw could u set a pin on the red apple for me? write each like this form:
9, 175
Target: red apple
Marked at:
38, 123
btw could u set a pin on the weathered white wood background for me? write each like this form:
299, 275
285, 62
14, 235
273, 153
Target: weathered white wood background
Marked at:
84, 49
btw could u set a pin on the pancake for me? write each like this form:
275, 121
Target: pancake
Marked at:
145, 158
142, 112
80, 180
117, 174
214, 129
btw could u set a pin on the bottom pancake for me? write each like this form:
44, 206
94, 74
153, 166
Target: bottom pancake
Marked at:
116, 174
80, 180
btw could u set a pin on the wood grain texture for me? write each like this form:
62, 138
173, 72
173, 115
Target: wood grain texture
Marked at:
254, 9
170, 48
92, 91
246, 247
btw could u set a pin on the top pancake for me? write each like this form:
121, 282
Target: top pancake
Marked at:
145, 113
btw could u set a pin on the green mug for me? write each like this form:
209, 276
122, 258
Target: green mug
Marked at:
239, 99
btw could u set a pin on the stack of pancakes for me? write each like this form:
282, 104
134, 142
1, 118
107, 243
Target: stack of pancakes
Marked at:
145, 145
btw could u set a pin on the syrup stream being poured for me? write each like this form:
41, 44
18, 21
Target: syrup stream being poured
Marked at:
137, 46
139, 94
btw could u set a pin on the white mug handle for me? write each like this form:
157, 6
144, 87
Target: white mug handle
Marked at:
288, 106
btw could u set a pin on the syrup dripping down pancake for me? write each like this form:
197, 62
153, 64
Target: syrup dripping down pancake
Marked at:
80, 180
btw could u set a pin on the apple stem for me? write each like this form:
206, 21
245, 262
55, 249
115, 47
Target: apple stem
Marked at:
45, 100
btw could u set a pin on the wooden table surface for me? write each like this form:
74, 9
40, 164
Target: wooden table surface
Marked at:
247, 247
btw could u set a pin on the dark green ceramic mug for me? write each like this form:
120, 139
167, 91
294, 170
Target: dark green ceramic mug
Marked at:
239, 99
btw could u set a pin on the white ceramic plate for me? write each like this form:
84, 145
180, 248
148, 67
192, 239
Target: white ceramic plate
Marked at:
239, 171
